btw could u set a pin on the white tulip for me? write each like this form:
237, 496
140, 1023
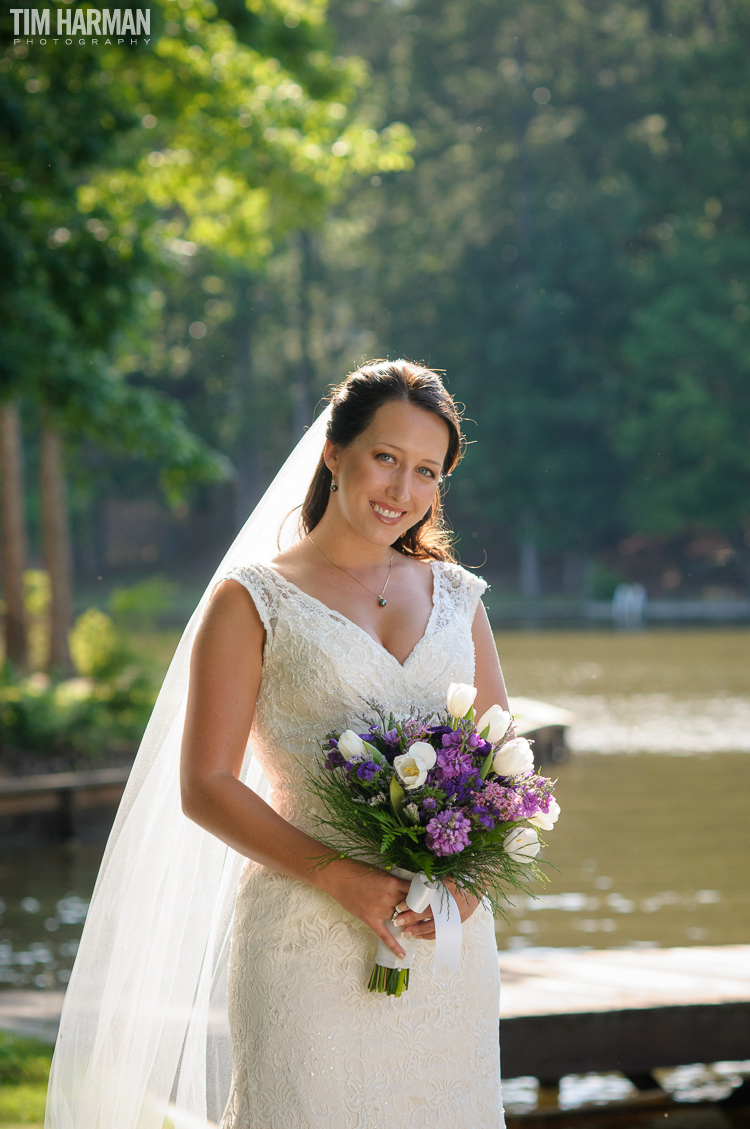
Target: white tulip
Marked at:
351, 746
522, 844
411, 771
514, 758
498, 721
546, 820
425, 752
460, 698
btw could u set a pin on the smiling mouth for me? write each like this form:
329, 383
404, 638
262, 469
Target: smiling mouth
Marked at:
390, 516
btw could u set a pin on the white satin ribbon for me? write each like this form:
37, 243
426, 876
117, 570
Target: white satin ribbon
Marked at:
423, 893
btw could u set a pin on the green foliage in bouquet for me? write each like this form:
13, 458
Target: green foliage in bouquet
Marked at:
454, 825
373, 834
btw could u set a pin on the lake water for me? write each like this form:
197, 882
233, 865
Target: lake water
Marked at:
652, 845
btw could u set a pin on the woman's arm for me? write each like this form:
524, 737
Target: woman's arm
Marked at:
225, 674
488, 677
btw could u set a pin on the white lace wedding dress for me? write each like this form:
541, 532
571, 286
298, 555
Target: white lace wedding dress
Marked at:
312, 1046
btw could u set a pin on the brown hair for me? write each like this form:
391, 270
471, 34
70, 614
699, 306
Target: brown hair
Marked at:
354, 403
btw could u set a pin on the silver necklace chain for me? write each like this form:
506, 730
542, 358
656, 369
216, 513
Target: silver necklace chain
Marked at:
379, 595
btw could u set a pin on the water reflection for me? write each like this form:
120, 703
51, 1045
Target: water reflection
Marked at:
45, 896
651, 847
695, 1083
649, 850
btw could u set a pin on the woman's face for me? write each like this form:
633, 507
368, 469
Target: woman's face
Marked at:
388, 476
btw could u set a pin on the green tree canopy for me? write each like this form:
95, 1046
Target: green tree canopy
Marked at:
119, 164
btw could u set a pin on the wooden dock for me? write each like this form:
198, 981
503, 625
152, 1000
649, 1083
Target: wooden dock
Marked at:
60, 805
631, 1010
565, 1012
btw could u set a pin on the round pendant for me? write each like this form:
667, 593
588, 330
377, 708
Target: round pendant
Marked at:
381, 602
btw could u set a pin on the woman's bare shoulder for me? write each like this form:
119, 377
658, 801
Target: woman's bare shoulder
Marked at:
230, 611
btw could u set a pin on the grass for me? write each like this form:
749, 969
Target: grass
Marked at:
24, 1070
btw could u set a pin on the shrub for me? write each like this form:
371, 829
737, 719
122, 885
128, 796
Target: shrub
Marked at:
95, 647
140, 605
104, 710
23, 1059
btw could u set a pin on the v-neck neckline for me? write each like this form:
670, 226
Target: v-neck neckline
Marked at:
358, 627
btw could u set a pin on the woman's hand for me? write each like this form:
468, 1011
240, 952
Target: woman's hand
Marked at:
366, 892
422, 925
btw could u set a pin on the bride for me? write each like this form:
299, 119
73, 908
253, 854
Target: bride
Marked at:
363, 604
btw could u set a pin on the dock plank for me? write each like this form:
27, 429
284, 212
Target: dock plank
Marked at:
560, 981
632, 1010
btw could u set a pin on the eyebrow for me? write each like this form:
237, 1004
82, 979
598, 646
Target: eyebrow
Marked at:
385, 443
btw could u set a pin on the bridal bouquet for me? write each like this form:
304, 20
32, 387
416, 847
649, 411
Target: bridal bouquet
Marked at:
436, 799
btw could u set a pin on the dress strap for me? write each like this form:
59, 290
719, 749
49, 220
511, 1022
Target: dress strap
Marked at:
459, 591
475, 587
264, 592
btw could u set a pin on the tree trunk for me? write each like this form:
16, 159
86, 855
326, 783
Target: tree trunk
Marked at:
14, 535
302, 387
528, 567
252, 477
530, 573
57, 550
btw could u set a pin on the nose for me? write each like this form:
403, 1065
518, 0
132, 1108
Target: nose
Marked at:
398, 487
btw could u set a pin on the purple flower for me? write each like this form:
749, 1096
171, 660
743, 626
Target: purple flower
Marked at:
437, 731
452, 763
365, 770
448, 833
429, 804
334, 759
483, 816
461, 788
521, 799
504, 802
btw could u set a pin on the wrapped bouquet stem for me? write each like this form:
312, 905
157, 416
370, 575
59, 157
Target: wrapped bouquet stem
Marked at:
436, 799
390, 973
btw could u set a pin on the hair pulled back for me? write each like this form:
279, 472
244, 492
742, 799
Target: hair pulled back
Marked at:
354, 403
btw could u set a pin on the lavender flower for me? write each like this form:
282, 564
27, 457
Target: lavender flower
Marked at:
461, 788
522, 799
483, 816
364, 770
448, 833
453, 763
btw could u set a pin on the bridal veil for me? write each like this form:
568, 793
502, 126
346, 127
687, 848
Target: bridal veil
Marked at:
143, 1035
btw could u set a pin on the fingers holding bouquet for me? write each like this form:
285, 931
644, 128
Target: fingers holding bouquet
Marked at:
422, 925
418, 925
367, 892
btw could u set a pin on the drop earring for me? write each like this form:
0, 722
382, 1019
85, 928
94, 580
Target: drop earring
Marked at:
334, 487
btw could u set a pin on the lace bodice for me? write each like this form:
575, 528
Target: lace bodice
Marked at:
320, 671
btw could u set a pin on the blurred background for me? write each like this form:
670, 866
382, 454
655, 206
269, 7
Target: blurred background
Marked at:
207, 219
